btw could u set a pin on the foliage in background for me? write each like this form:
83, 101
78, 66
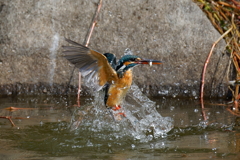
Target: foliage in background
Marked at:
225, 14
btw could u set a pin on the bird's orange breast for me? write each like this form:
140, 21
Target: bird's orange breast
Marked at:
118, 89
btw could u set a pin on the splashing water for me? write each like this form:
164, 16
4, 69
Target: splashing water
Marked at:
53, 50
142, 121
128, 52
54, 46
145, 117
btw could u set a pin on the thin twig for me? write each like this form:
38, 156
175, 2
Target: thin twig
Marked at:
94, 22
70, 79
228, 70
232, 112
206, 63
9, 118
79, 87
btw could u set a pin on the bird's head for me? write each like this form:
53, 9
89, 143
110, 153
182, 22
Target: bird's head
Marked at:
129, 61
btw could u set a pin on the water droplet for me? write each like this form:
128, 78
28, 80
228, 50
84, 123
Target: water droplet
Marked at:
177, 84
172, 108
163, 92
195, 110
128, 52
151, 146
89, 143
110, 13
194, 93
133, 146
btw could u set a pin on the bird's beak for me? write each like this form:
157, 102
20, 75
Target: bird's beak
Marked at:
150, 62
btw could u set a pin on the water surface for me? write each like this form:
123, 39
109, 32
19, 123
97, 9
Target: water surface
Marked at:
56, 128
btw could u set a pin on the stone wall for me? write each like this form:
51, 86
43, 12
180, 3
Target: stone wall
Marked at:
175, 32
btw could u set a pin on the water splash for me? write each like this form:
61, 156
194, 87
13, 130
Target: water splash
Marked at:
53, 50
128, 52
142, 121
145, 117
55, 43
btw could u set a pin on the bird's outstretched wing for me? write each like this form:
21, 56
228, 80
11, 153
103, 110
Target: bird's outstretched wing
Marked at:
93, 65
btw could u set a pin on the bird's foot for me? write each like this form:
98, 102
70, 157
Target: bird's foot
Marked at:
119, 112
115, 108
123, 114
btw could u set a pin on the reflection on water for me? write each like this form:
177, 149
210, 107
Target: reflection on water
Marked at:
49, 129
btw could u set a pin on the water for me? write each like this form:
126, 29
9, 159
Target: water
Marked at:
54, 45
53, 50
128, 52
141, 122
55, 128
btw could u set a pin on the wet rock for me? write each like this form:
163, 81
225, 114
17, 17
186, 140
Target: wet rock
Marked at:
176, 32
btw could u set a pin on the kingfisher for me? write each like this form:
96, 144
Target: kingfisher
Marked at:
103, 71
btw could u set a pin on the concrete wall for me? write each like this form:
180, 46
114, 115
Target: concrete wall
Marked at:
175, 32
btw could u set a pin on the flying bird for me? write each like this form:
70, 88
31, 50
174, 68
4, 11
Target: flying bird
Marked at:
103, 71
